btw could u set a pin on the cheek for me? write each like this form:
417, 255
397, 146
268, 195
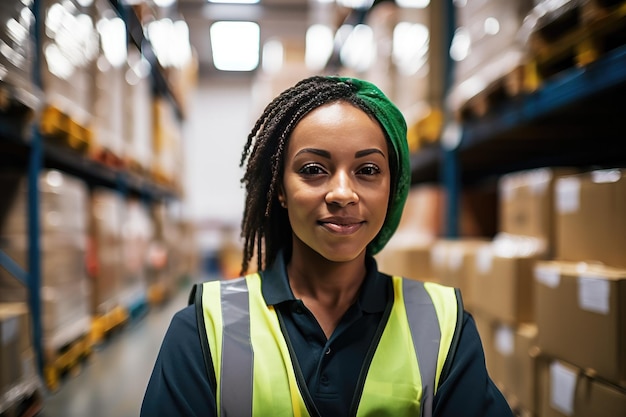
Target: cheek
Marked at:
303, 200
379, 202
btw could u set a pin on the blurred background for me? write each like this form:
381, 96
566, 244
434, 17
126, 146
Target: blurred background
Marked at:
121, 129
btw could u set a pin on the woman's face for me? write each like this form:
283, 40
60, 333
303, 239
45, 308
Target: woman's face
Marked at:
336, 181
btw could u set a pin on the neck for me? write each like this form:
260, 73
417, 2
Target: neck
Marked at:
327, 288
310, 274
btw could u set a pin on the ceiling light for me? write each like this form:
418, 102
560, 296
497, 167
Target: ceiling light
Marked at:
235, 45
413, 4
273, 56
359, 50
234, 1
319, 46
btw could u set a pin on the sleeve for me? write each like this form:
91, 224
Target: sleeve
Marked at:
179, 384
467, 389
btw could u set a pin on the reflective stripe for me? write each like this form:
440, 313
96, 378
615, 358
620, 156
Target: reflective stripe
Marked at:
426, 335
237, 357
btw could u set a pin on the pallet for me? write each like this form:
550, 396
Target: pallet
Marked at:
59, 128
425, 131
107, 157
575, 39
138, 169
66, 360
160, 177
500, 90
105, 324
157, 294
27, 405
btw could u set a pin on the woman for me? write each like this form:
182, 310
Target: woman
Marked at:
319, 331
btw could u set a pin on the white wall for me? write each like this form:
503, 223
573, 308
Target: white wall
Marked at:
215, 131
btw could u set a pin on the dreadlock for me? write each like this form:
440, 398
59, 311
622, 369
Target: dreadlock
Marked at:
262, 226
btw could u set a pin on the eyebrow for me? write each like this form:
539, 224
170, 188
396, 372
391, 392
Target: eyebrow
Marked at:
326, 154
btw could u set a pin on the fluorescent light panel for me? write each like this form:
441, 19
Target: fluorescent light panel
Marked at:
235, 45
234, 1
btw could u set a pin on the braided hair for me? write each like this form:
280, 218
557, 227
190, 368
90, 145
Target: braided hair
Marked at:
265, 224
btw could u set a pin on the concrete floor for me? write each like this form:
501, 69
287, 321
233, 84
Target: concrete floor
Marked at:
113, 380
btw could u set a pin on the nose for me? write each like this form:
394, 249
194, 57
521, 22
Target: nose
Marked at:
341, 191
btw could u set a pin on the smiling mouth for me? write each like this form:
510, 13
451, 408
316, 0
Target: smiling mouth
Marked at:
341, 228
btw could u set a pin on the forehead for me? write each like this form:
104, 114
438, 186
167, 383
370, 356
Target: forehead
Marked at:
337, 125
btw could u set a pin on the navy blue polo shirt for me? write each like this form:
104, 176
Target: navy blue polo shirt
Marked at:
330, 367
179, 385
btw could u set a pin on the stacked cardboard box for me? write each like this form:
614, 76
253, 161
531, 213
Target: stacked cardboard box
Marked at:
511, 355
70, 48
565, 391
16, 57
550, 293
590, 221
105, 244
138, 133
160, 268
503, 283
18, 378
64, 286
580, 315
453, 263
137, 234
485, 45
109, 85
408, 251
167, 144
580, 299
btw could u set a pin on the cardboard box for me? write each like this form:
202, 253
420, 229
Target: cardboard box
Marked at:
105, 258
410, 261
517, 351
63, 306
62, 203
484, 325
590, 221
453, 264
14, 340
510, 355
581, 316
566, 392
526, 203
422, 216
62, 262
503, 278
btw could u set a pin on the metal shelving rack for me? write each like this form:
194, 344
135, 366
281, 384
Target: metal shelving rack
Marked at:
574, 118
27, 149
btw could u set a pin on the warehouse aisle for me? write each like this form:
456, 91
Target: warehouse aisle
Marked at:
112, 382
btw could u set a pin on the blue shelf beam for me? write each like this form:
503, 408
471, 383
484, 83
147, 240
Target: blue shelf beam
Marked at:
34, 246
13, 268
552, 126
603, 81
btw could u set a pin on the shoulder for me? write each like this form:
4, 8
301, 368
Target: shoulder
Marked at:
183, 324
442, 295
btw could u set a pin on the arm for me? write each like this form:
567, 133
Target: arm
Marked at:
179, 385
467, 389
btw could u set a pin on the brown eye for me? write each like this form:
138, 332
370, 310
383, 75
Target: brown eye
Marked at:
311, 170
368, 170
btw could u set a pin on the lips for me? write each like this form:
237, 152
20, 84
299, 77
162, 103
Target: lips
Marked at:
341, 225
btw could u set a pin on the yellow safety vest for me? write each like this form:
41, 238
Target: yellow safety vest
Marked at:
253, 366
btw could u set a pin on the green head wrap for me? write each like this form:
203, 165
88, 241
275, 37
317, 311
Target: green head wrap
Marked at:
392, 121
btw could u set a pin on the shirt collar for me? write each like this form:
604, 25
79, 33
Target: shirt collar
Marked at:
276, 289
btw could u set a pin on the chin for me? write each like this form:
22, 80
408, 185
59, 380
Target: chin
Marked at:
340, 256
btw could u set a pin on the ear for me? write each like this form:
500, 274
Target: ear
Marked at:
282, 199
